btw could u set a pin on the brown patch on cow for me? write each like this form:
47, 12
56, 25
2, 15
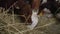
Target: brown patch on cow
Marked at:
25, 10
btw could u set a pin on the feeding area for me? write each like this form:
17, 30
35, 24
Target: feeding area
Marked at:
11, 18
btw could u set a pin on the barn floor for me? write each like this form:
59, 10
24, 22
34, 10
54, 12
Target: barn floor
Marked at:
11, 25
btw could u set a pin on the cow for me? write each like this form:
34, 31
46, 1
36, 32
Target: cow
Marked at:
24, 7
31, 9
21, 7
50, 7
34, 16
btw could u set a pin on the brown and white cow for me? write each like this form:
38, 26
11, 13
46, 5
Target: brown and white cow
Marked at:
49, 7
33, 9
24, 8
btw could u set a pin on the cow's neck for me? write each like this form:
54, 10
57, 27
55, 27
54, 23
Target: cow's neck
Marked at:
35, 4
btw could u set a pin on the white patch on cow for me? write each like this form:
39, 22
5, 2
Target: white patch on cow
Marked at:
46, 10
44, 1
47, 13
34, 18
59, 1
56, 0
58, 15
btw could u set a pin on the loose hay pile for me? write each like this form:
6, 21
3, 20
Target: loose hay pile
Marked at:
10, 24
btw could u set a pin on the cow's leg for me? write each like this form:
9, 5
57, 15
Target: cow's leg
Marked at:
34, 19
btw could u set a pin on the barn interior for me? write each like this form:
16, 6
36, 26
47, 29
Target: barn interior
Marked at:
15, 15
